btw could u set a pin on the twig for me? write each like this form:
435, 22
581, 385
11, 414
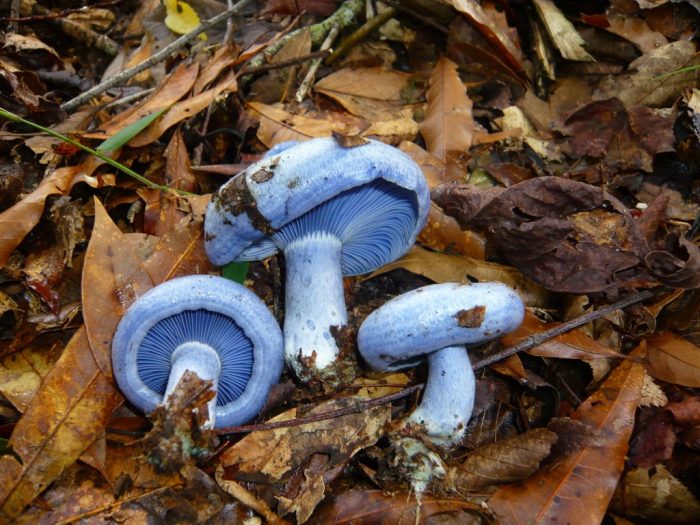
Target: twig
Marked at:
361, 406
343, 17
311, 73
154, 59
248, 499
284, 63
45, 14
362, 32
537, 339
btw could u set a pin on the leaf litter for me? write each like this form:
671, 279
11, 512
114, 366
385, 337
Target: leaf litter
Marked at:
573, 181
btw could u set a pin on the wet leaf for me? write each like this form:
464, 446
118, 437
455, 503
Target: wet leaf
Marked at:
448, 124
579, 486
673, 359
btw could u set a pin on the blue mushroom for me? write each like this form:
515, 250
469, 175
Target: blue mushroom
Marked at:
437, 321
212, 326
333, 211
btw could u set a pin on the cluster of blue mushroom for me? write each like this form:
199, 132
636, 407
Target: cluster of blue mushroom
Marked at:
333, 210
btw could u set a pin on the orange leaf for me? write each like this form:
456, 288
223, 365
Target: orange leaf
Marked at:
448, 123
579, 487
674, 359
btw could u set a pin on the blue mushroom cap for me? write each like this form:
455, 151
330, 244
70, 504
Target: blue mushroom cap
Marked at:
373, 197
207, 309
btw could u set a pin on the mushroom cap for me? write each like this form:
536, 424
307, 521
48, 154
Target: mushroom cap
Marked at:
436, 316
293, 179
211, 310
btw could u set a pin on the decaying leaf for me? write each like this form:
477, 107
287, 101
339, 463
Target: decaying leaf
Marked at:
579, 486
505, 461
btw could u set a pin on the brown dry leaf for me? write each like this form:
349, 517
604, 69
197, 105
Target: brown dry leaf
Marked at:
278, 125
656, 496
507, 50
505, 461
673, 359
574, 344
448, 124
184, 109
171, 89
162, 208
21, 373
377, 508
17, 221
434, 169
65, 417
224, 57
580, 485
442, 233
636, 30
443, 268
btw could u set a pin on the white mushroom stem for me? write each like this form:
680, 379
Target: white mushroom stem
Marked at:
448, 398
202, 360
314, 302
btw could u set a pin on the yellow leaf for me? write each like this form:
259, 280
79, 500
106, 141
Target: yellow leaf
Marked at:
180, 17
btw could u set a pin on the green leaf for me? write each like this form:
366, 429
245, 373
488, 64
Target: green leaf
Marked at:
117, 140
236, 271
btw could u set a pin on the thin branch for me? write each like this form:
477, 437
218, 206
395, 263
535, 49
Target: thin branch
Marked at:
362, 32
284, 63
361, 406
311, 73
537, 339
154, 59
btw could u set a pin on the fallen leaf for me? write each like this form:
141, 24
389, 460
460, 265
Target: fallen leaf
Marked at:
562, 33
443, 268
657, 496
180, 17
579, 486
574, 344
448, 124
377, 508
18, 220
442, 233
673, 359
505, 461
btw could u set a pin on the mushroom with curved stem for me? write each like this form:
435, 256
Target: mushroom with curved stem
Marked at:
209, 325
333, 210
437, 321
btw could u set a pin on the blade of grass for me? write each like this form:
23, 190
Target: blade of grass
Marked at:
120, 138
236, 271
100, 155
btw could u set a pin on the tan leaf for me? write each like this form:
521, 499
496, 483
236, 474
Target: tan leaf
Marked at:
442, 233
562, 32
673, 359
171, 89
506, 461
17, 221
580, 485
443, 268
278, 125
448, 123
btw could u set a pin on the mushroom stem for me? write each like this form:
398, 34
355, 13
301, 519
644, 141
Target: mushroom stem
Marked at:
314, 302
448, 399
201, 359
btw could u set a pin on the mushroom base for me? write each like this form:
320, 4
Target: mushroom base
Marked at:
201, 359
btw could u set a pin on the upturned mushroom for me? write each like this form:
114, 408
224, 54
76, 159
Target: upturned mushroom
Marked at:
436, 321
333, 211
209, 325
